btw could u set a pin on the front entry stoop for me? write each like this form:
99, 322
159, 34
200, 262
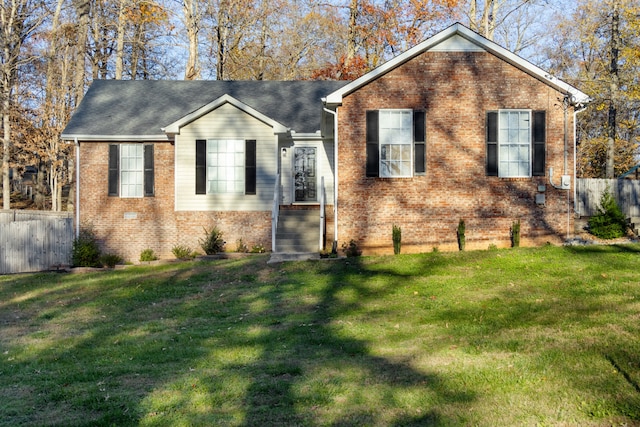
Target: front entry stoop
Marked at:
297, 235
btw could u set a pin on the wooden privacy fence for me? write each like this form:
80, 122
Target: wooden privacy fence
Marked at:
34, 240
626, 192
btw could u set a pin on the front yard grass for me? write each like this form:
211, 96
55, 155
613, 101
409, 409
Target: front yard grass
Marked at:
545, 336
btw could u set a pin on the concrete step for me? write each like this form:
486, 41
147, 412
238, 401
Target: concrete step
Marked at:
298, 231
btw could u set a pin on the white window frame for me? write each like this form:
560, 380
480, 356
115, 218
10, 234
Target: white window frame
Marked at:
131, 165
514, 142
395, 138
225, 162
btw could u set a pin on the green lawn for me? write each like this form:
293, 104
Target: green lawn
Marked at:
546, 336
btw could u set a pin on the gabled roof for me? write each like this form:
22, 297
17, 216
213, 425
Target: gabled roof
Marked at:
174, 127
460, 38
138, 110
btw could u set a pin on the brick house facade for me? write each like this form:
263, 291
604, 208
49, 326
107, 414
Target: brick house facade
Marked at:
456, 90
456, 128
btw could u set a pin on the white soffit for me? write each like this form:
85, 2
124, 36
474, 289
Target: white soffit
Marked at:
456, 43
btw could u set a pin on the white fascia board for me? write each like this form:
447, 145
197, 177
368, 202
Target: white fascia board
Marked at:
306, 136
116, 138
579, 97
174, 128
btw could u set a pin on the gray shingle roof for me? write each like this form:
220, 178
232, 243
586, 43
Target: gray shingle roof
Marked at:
114, 108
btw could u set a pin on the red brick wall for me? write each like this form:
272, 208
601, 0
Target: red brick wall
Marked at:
157, 225
456, 89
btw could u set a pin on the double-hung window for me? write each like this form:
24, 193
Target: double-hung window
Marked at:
131, 170
396, 137
516, 143
395, 143
225, 166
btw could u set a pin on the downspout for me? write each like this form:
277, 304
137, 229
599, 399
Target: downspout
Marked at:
335, 177
77, 147
580, 109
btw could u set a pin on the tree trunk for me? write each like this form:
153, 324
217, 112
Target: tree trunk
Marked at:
222, 39
6, 152
613, 90
82, 11
192, 24
120, 40
352, 44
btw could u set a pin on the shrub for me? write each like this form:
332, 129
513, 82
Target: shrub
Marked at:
396, 235
85, 251
241, 246
212, 242
514, 232
182, 252
148, 255
460, 233
351, 249
609, 222
110, 260
258, 249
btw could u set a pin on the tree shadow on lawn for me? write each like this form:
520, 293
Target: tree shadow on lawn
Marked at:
316, 373
227, 343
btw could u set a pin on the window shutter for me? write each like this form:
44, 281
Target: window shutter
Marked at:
148, 171
419, 146
492, 143
539, 142
114, 160
373, 151
250, 167
201, 166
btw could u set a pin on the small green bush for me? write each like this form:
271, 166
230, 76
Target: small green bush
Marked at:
396, 234
460, 233
182, 252
212, 242
515, 234
110, 260
85, 251
258, 249
241, 246
351, 249
609, 222
148, 255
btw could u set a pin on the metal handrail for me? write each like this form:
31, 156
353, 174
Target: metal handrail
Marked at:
323, 196
275, 213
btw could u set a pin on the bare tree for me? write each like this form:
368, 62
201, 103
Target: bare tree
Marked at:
19, 19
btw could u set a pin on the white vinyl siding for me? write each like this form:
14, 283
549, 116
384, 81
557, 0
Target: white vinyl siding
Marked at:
131, 170
514, 142
225, 123
396, 141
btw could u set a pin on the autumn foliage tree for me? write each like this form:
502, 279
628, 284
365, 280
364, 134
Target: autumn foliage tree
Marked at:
599, 44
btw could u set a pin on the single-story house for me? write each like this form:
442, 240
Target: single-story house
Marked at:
456, 128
